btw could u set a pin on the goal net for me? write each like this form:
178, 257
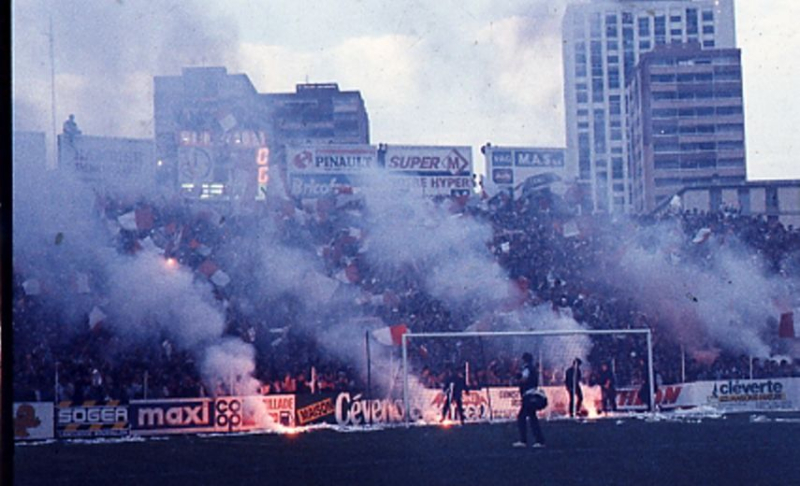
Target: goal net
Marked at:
614, 370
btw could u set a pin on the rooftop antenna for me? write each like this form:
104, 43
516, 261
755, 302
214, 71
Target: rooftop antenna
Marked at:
54, 159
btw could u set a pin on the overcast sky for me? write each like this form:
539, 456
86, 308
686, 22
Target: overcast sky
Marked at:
446, 72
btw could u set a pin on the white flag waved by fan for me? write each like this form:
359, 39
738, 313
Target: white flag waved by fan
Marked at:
390, 336
96, 317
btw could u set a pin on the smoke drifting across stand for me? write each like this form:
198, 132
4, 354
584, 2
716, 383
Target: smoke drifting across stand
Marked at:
142, 298
721, 300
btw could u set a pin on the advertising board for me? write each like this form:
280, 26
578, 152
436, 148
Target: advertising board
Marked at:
316, 409
112, 162
429, 160
91, 419
726, 395
280, 409
221, 414
475, 404
354, 409
505, 401
515, 168
431, 186
667, 397
766, 394
327, 159
315, 171
237, 414
257, 412
538, 157
171, 416
33, 420
431, 170
319, 185
324, 170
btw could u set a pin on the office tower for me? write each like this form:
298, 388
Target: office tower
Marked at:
319, 113
603, 41
685, 122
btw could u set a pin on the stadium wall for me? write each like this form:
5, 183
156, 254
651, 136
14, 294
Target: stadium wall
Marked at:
68, 420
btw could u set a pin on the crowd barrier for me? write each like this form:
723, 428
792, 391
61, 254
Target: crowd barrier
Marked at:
68, 420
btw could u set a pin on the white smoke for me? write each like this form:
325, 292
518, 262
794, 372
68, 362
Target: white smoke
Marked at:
450, 251
229, 365
148, 297
61, 235
721, 299
557, 351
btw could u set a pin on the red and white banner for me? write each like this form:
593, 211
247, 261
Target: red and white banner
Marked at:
390, 336
238, 414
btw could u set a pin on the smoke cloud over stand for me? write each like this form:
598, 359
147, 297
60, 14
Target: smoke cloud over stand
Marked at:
721, 300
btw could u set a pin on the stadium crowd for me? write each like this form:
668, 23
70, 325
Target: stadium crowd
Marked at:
554, 257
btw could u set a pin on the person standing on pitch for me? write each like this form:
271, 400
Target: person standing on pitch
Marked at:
607, 388
573, 385
454, 386
528, 385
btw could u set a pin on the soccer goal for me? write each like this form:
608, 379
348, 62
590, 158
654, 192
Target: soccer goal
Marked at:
473, 376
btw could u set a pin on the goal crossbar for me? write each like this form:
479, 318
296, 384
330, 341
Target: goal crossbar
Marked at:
562, 332
467, 334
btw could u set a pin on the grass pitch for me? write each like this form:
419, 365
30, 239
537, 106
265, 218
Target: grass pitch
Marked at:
734, 449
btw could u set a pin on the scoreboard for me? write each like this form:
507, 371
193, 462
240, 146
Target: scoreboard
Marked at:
234, 168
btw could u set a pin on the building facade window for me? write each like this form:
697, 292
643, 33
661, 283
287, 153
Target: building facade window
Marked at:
614, 106
596, 27
691, 21
584, 156
597, 90
644, 26
599, 131
744, 200
613, 77
616, 168
611, 26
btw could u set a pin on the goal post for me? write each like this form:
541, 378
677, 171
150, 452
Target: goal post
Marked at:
536, 341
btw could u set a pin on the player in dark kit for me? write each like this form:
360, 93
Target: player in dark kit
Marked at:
573, 385
607, 388
454, 386
531, 403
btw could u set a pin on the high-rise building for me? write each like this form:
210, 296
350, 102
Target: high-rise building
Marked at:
603, 41
319, 113
685, 122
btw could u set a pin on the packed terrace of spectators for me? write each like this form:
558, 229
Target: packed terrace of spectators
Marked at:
551, 255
